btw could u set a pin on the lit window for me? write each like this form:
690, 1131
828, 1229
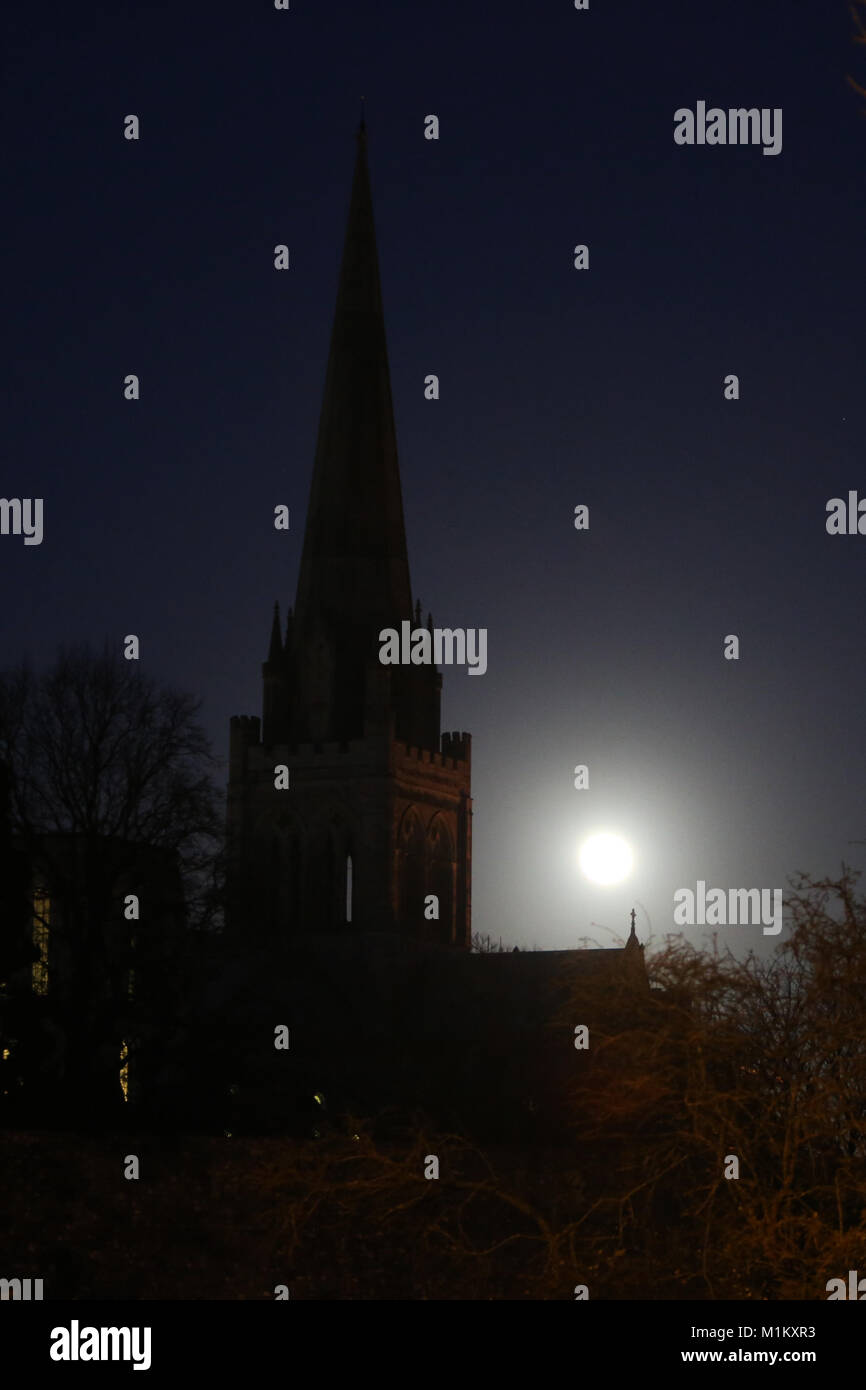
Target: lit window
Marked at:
124, 1069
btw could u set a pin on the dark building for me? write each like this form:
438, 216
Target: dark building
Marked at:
384, 1024
376, 820
88, 962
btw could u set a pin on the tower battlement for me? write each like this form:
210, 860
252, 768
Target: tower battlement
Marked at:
458, 746
454, 754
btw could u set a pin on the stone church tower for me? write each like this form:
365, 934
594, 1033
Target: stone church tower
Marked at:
377, 815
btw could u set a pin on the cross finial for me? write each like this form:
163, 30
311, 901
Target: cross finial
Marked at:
363, 125
633, 933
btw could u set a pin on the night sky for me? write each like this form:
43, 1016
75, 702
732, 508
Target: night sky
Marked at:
558, 387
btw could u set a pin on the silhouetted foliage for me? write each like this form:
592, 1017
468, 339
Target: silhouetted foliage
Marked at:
96, 747
762, 1060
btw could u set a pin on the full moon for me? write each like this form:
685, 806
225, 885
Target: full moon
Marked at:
605, 859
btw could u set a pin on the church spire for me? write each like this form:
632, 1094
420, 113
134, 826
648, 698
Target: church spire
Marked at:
354, 573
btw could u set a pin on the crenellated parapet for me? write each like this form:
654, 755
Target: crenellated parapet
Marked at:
459, 747
407, 753
455, 754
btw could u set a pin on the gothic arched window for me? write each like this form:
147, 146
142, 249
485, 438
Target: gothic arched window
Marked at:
411, 872
440, 877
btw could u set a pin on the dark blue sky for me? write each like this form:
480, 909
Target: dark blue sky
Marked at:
557, 387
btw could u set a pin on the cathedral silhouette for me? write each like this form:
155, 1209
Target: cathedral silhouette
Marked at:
373, 823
